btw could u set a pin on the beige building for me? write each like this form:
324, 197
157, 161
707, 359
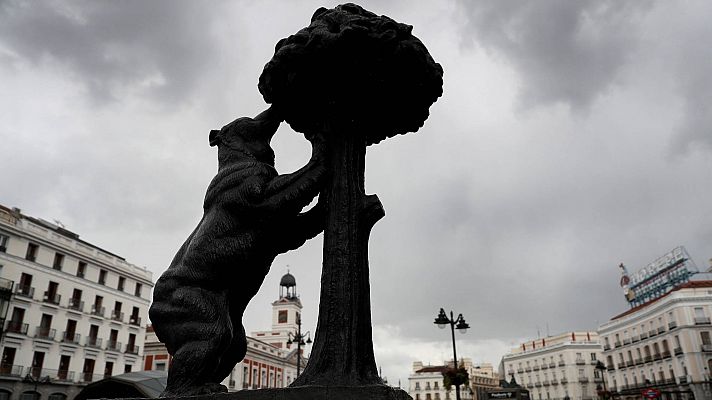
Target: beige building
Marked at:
556, 367
426, 381
664, 344
76, 311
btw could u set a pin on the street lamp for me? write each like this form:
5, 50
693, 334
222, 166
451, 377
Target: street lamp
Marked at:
442, 321
298, 337
602, 368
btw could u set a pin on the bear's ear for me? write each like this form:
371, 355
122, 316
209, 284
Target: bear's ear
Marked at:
214, 137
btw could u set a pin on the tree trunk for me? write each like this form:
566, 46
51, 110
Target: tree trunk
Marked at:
343, 346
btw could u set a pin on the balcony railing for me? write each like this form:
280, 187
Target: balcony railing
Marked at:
520, 370
580, 361
702, 320
666, 354
93, 342
652, 332
564, 381
51, 298
98, 310
657, 356
136, 320
606, 346
707, 347
626, 341
117, 316
45, 333
544, 366
528, 369
10, 370
536, 368
70, 337
629, 363
25, 291
643, 335
672, 325
621, 365
113, 346
552, 365
638, 361
635, 339
76, 304
132, 349
554, 382
682, 379
648, 359
597, 379
87, 377
545, 383
537, 384
617, 343
661, 329
17, 327
583, 379
677, 351
610, 367
561, 363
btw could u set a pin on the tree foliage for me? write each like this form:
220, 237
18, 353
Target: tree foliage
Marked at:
351, 66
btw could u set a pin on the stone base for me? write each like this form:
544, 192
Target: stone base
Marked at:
370, 392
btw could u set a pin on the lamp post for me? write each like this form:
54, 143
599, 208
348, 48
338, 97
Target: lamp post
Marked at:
458, 323
602, 368
298, 337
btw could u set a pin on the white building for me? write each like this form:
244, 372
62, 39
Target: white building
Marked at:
426, 381
76, 312
664, 344
555, 367
270, 361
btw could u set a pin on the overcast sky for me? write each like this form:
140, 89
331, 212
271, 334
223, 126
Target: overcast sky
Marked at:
571, 136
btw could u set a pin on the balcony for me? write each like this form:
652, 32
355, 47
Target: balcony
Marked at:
617, 343
76, 304
10, 370
652, 333
51, 298
638, 361
536, 368
545, 383
537, 384
117, 316
136, 320
648, 359
554, 382
70, 337
621, 365
25, 291
528, 369
520, 370
702, 320
132, 349
672, 325
666, 354
63, 375
597, 379
544, 366
593, 362
677, 351
682, 379
45, 333
561, 363
629, 363
643, 335
564, 381
113, 346
707, 347
626, 341
610, 367
17, 327
93, 342
580, 361
606, 347
98, 310
583, 379
552, 365
661, 329
87, 377
53, 375
657, 357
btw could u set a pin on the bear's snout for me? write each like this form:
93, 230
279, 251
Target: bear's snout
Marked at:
214, 137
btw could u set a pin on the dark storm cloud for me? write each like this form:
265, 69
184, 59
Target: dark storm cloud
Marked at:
565, 51
157, 48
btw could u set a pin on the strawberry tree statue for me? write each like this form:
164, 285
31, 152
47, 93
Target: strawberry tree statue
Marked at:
355, 78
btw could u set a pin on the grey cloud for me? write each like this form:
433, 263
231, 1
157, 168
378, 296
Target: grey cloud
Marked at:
565, 51
156, 48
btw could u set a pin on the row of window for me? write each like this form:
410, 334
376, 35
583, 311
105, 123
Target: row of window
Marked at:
529, 365
38, 371
654, 352
70, 335
32, 395
651, 328
51, 296
435, 386
59, 261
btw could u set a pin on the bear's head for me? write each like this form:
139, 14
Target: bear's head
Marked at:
247, 139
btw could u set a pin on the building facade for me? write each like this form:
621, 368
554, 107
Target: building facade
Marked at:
75, 314
270, 361
664, 344
426, 381
557, 367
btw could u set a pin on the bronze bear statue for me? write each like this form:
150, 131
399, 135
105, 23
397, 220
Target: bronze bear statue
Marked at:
250, 215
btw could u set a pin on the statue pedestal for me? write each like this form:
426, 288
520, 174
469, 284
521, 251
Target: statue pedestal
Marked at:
369, 392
